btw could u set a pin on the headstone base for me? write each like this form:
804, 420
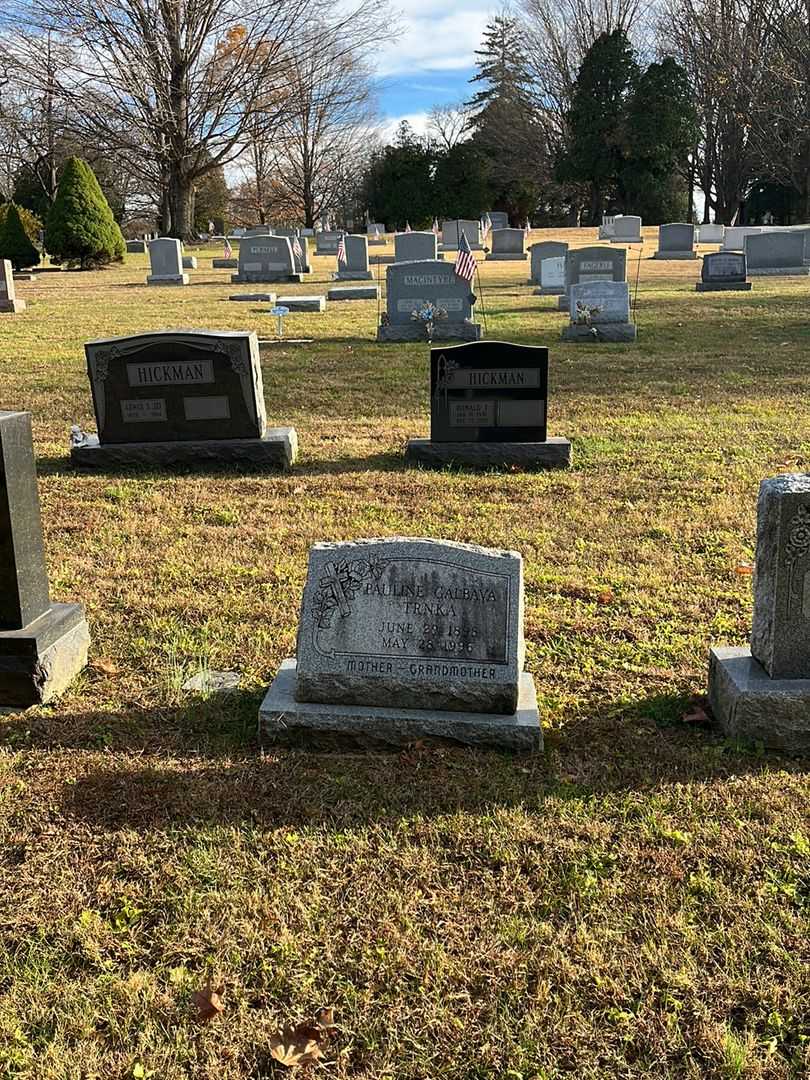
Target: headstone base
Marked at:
189, 262
384, 260
463, 331
38, 662
25, 275
254, 297
265, 279
563, 304
277, 450
225, 264
506, 256
554, 453
602, 332
723, 286
353, 275
675, 255
548, 290
12, 307
752, 706
778, 271
302, 303
454, 247
359, 292
626, 240
376, 241
168, 279
282, 719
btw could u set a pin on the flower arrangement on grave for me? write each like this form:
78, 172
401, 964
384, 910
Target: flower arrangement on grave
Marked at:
585, 314
428, 315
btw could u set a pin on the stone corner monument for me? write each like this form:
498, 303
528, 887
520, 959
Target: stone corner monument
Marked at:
43, 645
488, 408
9, 304
402, 639
762, 693
180, 397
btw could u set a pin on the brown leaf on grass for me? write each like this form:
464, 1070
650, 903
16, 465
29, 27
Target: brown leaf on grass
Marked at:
744, 569
304, 1044
104, 665
208, 1002
698, 715
606, 596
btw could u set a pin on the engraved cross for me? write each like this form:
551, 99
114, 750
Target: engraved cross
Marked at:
332, 579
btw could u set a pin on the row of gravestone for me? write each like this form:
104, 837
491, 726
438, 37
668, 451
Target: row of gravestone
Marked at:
408, 638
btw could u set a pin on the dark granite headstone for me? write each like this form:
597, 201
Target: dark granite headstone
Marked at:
42, 645
723, 271
412, 285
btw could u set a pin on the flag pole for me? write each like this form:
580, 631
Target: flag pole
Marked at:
481, 291
635, 295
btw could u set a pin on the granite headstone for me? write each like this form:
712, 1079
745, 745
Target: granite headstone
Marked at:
166, 262
355, 268
508, 245
413, 246
9, 304
775, 253
410, 286
676, 241
265, 258
723, 271
600, 311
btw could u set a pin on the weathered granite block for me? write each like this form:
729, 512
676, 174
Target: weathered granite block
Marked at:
225, 264
283, 719
39, 661
302, 303
448, 331
360, 292
751, 706
554, 453
723, 286
189, 262
413, 623
254, 297
276, 449
780, 636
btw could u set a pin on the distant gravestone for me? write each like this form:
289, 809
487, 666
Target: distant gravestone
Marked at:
548, 249
723, 271
136, 247
375, 231
627, 230
761, 694
498, 219
453, 230
412, 286
734, 236
413, 246
43, 645
488, 407
676, 241
265, 258
402, 638
166, 262
592, 264
508, 245
258, 230
600, 311
775, 253
355, 268
326, 243
354, 292
711, 234
174, 396
9, 304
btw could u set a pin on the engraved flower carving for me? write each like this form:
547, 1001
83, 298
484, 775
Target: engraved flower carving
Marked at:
798, 542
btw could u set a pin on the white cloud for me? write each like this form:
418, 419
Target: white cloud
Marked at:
431, 43
417, 120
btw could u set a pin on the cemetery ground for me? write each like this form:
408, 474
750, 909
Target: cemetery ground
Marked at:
633, 901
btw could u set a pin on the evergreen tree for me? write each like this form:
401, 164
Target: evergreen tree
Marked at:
504, 126
596, 119
212, 196
15, 242
660, 130
399, 182
81, 229
461, 182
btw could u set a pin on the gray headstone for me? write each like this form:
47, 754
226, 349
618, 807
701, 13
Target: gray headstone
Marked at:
8, 295
711, 234
499, 219
627, 229
265, 258
356, 266
166, 262
724, 266
177, 385
410, 285
595, 264
453, 230
508, 242
412, 623
774, 251
546, 249
259, 230
676, 237
375, 228
734, 236
607, 302
412, 246
326, 243
780, 640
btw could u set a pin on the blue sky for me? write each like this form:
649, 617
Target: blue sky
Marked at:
431, 61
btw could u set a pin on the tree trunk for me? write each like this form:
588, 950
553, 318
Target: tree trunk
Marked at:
596, 205
179, 200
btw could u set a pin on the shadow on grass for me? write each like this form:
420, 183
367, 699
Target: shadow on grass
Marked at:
202, 764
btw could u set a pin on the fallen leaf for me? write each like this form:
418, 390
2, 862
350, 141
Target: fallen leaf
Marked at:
744, 569
697, 716
606, 596
208, 1002
104, 665
304, 1043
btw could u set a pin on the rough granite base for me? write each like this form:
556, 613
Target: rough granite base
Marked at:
463, 331
554, 453
359, 292
675, 255
302, 303
753, 707
38, 662
506, 256
778, 271
353, 275
282, 719
723, 286
277, 450
603, 332
265, 279
168, 279
12, 307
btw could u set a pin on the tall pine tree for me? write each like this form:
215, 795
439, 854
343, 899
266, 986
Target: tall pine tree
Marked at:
81, 229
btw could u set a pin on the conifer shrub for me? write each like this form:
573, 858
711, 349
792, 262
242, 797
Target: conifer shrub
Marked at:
81, 230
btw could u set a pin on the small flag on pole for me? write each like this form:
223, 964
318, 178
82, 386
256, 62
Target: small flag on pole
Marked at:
228, 249
465, 262
407, 226
376, 230
211, 227
487, 224
341, 251
436, 226
297, 250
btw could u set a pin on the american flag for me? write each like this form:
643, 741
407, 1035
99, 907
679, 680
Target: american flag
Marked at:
297, 252
465, 263
436, 226
228, 249
407, 226
341, 251
487, 225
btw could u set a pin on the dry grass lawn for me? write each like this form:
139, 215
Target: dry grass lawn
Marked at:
633, 902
